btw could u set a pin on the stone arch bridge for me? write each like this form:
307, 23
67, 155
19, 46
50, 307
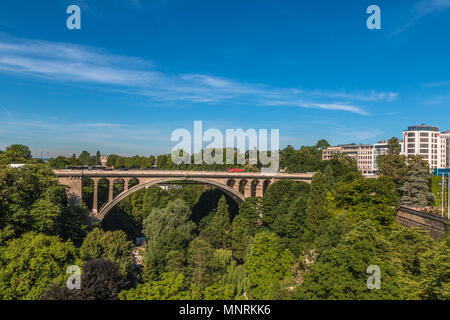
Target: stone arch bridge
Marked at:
238, 185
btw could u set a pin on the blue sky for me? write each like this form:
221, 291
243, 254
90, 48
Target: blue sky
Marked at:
137, 70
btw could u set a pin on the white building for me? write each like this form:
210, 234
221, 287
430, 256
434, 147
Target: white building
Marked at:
445, 149
424, 141
361, 153
380, 148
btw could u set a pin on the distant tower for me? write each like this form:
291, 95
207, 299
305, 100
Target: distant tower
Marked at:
104, 160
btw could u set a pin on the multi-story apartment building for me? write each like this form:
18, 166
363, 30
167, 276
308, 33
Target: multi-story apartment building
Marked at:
445, 149
424, 141
380, 148
329, 152
361, 153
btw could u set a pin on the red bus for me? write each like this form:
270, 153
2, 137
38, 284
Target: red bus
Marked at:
234, 170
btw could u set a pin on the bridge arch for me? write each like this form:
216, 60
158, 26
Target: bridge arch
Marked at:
234, 194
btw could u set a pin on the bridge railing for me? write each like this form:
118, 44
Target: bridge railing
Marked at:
424, 214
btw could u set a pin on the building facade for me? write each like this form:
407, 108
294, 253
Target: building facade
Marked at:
381, 148
361, 153
445, 149
329, 152
424, 141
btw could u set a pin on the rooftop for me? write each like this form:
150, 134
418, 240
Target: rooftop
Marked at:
355, 145
422, 127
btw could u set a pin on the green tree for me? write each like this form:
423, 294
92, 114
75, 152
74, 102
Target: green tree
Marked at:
142, 202
218, 291
73, 161
152, 160
166, 230
322, 144
241, 235
172, 286
245, 225
416, 189
409, 247
333, 232
100, 280
235, 281
73, 224
29, 264
435, 268
200, 261
277, 200
15, 153
317, 210
340, 272
294, 225
393, 164
85, 158
306, 159
329, 177
218, 231
266, 265
33, 200
45, 216
374, 199
111, 245
59, 162
342, 169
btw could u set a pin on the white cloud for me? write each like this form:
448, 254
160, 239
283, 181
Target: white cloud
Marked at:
55, 61
422, 9
437, 84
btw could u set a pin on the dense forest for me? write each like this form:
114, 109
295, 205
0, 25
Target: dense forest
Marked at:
298, 242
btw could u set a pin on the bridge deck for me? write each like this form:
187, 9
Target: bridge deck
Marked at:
181, 174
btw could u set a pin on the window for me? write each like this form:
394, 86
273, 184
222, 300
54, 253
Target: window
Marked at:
423, 139
411, 140
424, 134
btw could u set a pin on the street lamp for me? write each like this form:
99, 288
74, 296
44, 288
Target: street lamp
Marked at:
448, 194
443, 186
